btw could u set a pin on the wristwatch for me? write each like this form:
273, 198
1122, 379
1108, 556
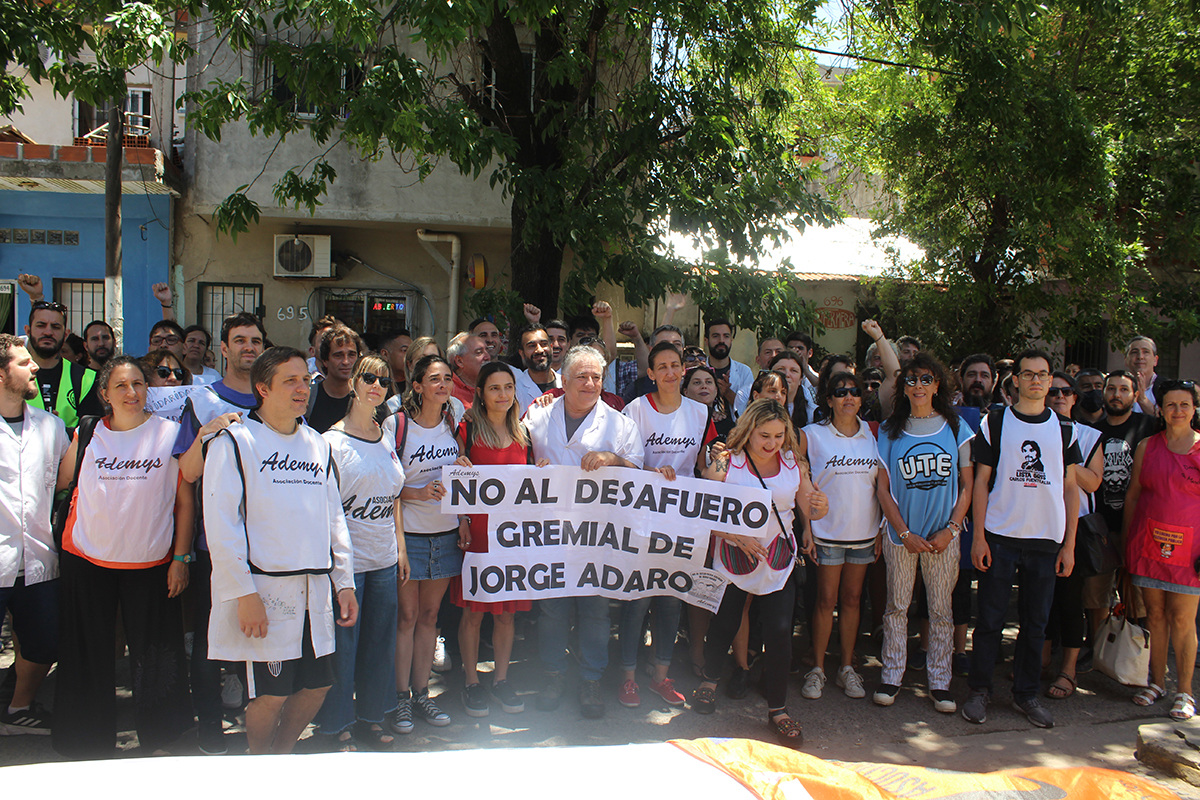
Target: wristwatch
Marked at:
184, 559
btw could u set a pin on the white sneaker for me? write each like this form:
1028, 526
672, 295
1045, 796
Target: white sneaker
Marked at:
814, 682
851, 681
231, 692
441, 659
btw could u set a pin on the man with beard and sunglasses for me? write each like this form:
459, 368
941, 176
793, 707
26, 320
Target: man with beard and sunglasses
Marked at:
99, 342
66, 390
732, 376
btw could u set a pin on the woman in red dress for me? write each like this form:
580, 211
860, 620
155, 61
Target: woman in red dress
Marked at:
491, 433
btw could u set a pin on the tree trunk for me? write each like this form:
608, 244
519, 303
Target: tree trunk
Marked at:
114, 152
536, 265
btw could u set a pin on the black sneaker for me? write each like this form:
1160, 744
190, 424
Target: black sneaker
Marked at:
475, 700
739, 684
917, 659
591, 703
1086, 661
962, 665
34, 720
7, 688
212, 739
975, 709
1037, 713
885, 694
401, 720
424, 707
507, 697
552, 692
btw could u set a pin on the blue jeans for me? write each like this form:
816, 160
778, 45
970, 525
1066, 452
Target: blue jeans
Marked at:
593, 626
666, 625
1033, 572
365, 660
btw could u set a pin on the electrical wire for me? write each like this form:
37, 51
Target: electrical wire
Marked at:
334, 292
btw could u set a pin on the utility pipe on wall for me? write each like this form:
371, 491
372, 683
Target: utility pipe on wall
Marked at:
428, 238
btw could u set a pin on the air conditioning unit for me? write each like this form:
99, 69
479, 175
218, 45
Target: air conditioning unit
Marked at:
302, 256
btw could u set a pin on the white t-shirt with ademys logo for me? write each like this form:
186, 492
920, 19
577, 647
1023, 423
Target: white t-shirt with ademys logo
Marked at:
674, 439
426, 451
369, 479
1027, 499
845, 469
123, 513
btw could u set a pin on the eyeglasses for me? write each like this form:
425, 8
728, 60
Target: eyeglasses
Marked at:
1030, 375
159, 341
1170, 386
873, 386
585, 341
369, 379
41, 304
842, 391
166, 372
1063, 391
911, 380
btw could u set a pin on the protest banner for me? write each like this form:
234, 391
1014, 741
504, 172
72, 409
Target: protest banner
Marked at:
168, 401
621, 533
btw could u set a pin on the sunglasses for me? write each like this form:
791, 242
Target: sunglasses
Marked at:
166, 372
59, 307
587, 341
693, 354
912, 380
873, 386
369, 379
843, 391
1060, 391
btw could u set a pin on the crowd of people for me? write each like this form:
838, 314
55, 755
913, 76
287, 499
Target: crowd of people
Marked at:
296, 505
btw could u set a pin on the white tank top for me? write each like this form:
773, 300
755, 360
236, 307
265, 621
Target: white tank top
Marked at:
845, 469
123, 513
670, 440
426, 451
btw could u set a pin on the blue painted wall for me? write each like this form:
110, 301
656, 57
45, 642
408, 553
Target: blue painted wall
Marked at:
146, 255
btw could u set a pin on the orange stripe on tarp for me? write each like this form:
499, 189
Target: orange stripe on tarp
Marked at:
776, 773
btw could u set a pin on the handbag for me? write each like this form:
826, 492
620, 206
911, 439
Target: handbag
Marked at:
1123, 651
1095, 552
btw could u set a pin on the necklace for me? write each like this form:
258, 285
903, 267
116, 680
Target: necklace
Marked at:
930, 415
272, 427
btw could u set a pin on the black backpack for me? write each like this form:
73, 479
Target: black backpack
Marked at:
62, 509
995, 420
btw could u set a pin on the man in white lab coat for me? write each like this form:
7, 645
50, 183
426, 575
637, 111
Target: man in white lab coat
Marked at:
279, 545
32, 443
579, 430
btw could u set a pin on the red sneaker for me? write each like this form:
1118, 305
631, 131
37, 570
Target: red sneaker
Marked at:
667, 691
628, 696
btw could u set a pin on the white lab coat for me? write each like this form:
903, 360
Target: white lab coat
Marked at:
28, 471
527, 390
283, 510
604, 429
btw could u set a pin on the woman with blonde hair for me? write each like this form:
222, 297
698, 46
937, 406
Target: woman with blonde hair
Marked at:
763, 452
370, 480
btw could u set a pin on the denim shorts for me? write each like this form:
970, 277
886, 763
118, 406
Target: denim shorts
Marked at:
833, 556
433, 556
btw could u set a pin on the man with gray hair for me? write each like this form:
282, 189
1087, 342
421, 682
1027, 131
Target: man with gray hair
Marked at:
467, 354
1141, 357
579, 430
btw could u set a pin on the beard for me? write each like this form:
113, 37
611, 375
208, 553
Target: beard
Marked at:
100, 355
539, 362
1114, 408
42, 350
719, 351
977, 395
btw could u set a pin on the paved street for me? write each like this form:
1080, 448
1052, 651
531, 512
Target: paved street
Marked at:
1097, 727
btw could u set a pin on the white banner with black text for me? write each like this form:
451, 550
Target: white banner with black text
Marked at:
559, 531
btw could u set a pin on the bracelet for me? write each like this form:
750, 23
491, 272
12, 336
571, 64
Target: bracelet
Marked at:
903, 535
954, 526
184, 559
170, 306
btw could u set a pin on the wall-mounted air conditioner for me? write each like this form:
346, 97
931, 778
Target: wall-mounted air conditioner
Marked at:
302, 256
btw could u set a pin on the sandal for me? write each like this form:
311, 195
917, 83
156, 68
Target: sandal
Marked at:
1184, 708
1057, 692
1149, 696
704, 700
787, 731
338, 742
375, 737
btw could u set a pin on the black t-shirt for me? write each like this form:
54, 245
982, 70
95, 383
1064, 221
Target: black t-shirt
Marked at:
1118, 443
327, 410
49, 379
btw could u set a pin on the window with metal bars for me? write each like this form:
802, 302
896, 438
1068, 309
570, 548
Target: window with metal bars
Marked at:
84, 301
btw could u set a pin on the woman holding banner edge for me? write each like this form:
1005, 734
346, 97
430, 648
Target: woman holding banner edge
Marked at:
492, 434
762, 451
675, 434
